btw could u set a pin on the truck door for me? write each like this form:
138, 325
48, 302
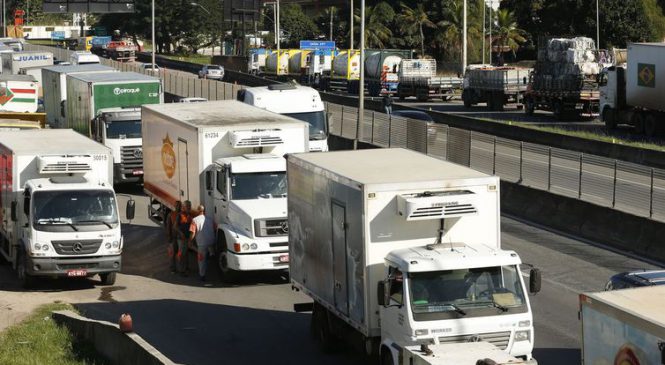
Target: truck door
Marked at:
340, 287
183, 168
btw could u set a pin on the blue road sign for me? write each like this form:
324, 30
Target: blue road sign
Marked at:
58, 35
314, 45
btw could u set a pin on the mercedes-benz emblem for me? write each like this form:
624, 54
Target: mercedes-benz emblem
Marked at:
474, 338
78, 247
138, 153
285, 226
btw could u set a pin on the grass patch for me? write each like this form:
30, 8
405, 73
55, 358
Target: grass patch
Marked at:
602, 137
40, 341
44, 42
197, 58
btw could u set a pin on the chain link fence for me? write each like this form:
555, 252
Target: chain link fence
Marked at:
628, 187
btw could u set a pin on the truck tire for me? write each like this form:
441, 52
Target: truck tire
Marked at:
529, 106
387, 357
637, 120
422, 95
609, 118
228, 275
557, 110
490, 101
466, 98
26, 280
108, 278
321, 329
650, 125
499, 101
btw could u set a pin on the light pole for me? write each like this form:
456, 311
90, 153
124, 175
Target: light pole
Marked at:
597, 25
4, 20
153, 35
278, 30
351, 46
361, 87
490, 24
331, 23
484, 11
464, 39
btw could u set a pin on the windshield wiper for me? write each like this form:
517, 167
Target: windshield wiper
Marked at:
499, 306
96, 221
57, 221
453, 306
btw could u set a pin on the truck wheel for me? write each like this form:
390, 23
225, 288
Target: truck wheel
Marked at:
529, 106
499, 101
228, 275
490, 101
557, 110
24, 278
387, 357
609, 118
422, 95
637, 121
650, 125
466, 98
108, 278
321, 329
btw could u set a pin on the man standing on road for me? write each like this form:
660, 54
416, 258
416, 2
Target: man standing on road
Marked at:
388, 103
171, 226
184, 220
203, 232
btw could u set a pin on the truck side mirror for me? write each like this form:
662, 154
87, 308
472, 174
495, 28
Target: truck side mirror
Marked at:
381, 293
329, 118
208, 180
13, 214
534, 280
131, 209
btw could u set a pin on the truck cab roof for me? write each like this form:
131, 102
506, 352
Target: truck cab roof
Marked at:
283, 98
119, 113
254, 163
450, 256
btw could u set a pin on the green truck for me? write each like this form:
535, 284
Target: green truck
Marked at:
107, 108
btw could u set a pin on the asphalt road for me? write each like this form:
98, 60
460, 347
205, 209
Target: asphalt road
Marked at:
253, 322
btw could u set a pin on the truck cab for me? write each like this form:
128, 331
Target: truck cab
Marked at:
120, 130
299, 102
249, 195
612, 87
440, 293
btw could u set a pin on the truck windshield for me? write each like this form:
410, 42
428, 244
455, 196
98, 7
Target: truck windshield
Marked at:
467, 292
258, 185
121, 129
74, 210
317, 123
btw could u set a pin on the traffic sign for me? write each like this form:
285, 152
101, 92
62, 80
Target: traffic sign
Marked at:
58, 35
315, 45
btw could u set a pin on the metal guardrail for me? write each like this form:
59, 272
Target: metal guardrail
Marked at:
620, 185
628, 187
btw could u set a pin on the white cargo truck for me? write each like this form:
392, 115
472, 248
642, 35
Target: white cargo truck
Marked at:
400, 249
623, 326
633, 94
228, 156
12, 63
299, 102
54, 83
59, 210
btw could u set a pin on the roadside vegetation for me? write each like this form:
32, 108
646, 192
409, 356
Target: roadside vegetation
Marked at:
193, 58
39, 340
599, 136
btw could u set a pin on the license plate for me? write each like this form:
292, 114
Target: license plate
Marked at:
137, 172
579, 106
81, 272
284, 258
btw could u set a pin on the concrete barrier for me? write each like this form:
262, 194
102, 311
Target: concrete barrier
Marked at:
623, 231
118, 347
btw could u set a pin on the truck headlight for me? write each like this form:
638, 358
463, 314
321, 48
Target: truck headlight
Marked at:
38, 247
253, 246
116, 244
45, 247
245, 246
522, 335
107, 245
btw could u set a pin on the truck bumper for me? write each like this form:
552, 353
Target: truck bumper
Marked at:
258, 261
37, 266
127, 174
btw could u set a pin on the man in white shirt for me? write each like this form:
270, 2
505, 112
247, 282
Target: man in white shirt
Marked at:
203, 231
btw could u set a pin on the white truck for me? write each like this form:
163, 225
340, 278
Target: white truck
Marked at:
83, 58
55, 89
105, 107
417, 77
495, 86
59, 210
299, 102
633, 94
399, 249
228, 156
623, 326
18, 93
12, 63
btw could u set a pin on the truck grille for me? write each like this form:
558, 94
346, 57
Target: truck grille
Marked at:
271, 227
498, 339
89, 265
132, 157
76, 247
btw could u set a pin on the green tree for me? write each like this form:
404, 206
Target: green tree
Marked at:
378, 20
415, 19
507, 36
296, 25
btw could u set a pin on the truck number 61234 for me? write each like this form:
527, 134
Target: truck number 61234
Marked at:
99, 157
211, 135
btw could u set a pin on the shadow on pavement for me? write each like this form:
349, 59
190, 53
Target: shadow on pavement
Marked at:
9, 282
557, 356
198, 333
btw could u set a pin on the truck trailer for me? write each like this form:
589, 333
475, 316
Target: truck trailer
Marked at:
495, 86
228, 156
624, 326
60, 214
105, 107
417, 77
633, 94
13, 62
18, 94
54, 84
386, 243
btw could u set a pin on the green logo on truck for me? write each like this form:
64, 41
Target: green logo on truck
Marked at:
646, 75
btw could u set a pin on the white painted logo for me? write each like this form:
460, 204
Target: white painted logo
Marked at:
119, 91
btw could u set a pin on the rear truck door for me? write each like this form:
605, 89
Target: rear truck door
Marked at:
340, 287
183, 167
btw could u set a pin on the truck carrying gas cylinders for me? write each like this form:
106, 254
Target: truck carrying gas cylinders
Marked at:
228, 156
632, 93
387, 245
